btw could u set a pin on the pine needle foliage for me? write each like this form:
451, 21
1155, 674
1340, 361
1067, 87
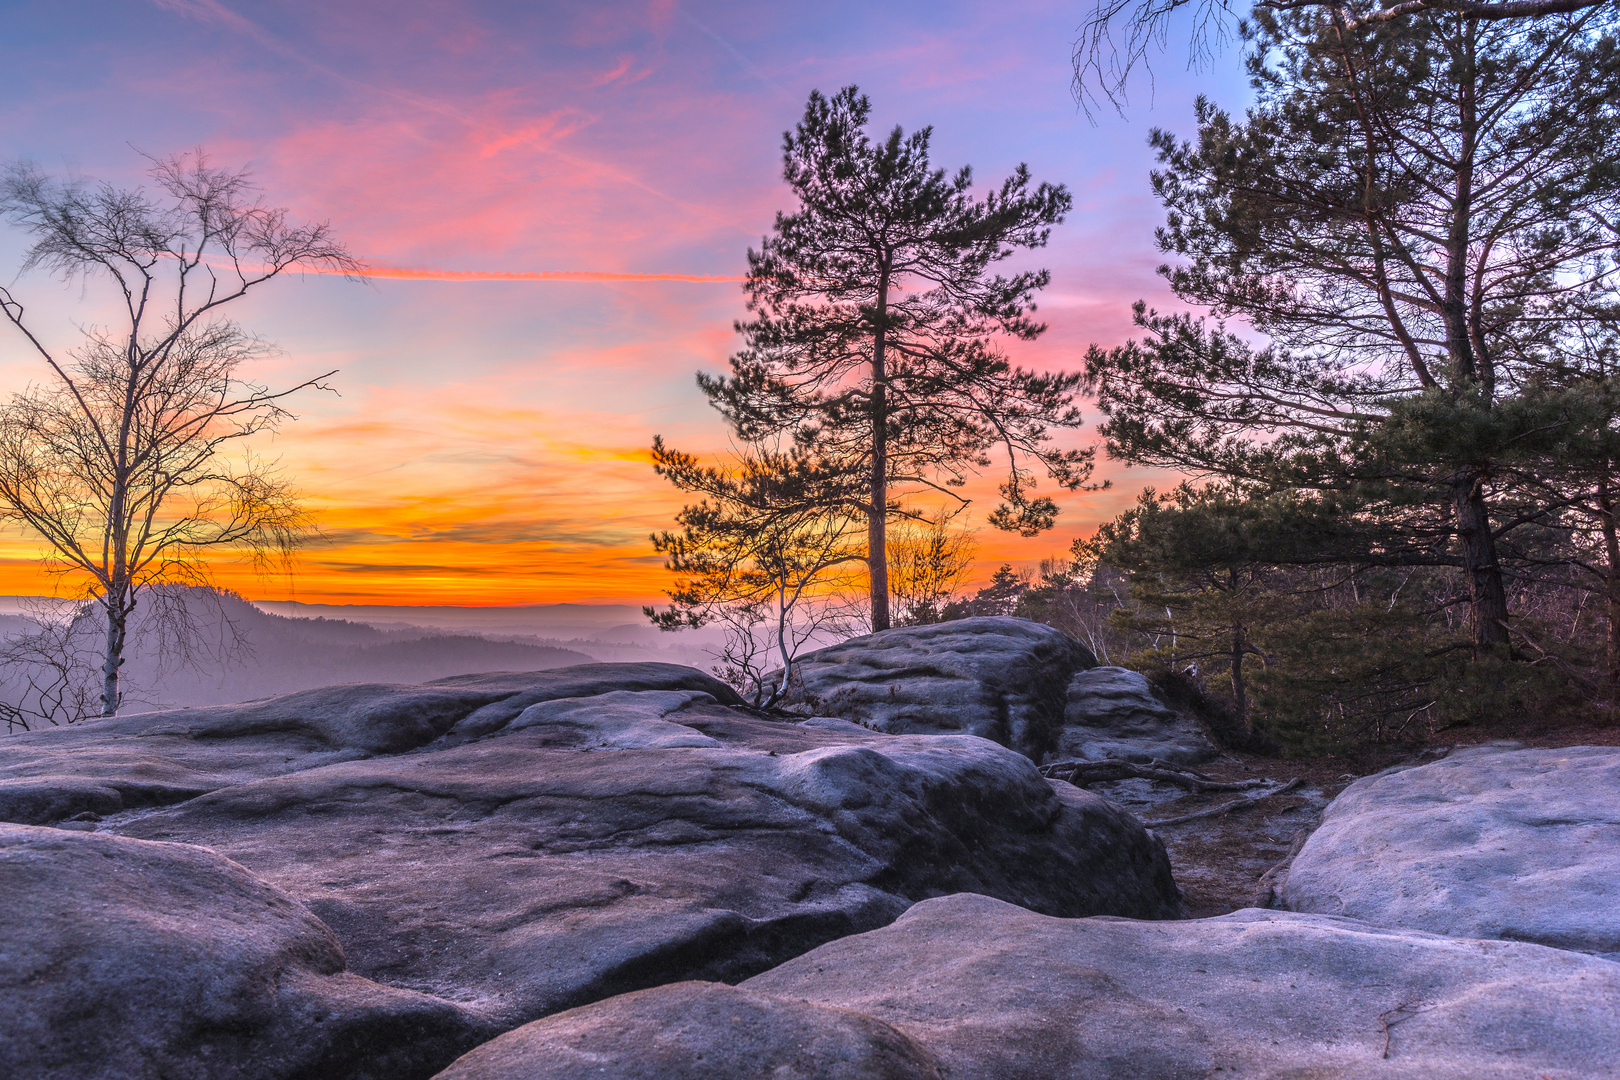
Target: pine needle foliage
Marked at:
876, 317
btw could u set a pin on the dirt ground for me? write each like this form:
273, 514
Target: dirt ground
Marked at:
1221, 862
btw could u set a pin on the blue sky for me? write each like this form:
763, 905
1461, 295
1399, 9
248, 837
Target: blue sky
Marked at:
489, 442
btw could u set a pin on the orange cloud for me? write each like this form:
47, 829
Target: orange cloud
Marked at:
490, 446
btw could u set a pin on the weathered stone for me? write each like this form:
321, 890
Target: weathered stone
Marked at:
699, 1031
988, 991
524, 874
1490, 842
160, 758
1113, 712
1000, 678
574, 839
139, 961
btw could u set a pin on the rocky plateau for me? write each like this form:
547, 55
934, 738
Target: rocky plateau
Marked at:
621, 869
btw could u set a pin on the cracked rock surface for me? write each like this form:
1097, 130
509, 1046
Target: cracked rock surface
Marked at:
1490, 842
498, 848
1113, 712
971, 988
159, 758
138, 961
997, 677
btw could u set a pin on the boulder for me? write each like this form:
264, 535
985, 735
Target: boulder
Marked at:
140, 961
1491, 842
700, 1031
1113, 712
155, 759
975, 989
1000, 678
576, 837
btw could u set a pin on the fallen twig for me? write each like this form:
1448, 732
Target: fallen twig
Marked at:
1097, 772
1404, 1011
1225, 808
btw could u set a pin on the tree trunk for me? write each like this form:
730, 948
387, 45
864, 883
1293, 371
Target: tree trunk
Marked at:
1240, 696
877, 514
782, 647
1611, 580
1487, 596
117, 619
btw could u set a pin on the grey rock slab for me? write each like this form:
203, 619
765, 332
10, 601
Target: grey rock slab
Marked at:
129, 960
988, 991
700, 1031
620, 719
159, 758
585, 680
1113, 712
549, 866
1486, 843
1000, 678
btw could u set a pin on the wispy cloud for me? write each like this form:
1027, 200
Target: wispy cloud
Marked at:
490, 445
409, 273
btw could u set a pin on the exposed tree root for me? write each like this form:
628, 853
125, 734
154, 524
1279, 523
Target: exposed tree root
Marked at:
1225, 808
1096, 772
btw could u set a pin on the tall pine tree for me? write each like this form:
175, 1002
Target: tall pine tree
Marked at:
1402, 215
873, 344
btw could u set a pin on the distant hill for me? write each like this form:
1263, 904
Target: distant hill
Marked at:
245, 653
595, 621
281, 654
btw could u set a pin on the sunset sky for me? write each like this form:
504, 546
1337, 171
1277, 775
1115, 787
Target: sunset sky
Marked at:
556, 199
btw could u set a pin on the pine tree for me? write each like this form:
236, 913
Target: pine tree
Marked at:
876, 318
1401, 214
765, 547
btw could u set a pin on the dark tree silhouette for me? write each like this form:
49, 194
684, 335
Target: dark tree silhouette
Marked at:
767, 547
129, 460
876, 316
1117, 36
1406, 214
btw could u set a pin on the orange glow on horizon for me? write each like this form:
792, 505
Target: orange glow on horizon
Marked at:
490, 444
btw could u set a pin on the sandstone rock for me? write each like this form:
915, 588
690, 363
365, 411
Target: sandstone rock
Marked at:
987, 991
1487, 843
700, 1031
620, 719
139, 961
1113, 712
155, 759
1000, 678
584, 834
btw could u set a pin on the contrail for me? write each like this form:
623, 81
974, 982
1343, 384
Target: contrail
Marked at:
409, 273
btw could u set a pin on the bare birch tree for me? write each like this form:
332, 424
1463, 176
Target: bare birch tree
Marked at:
129, 459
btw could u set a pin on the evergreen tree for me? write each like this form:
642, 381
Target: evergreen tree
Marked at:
1321, 652
1000, 597
1204, 558
876, 316
1117, 35
1403, 215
